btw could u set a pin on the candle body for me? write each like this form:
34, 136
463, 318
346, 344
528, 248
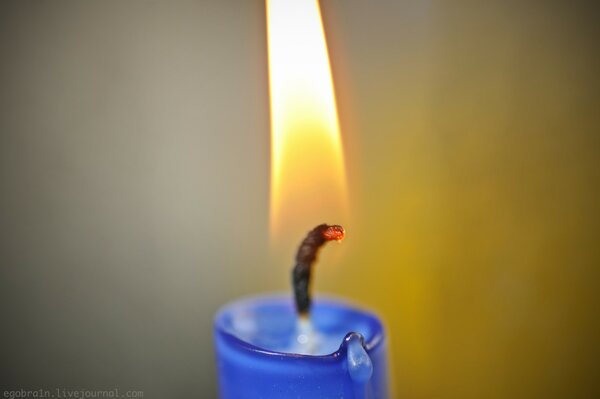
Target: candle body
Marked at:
253, 336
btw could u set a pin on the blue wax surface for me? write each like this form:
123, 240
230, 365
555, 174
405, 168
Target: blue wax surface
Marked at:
259, 356
273, 325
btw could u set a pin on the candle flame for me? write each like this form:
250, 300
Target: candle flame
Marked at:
308, 182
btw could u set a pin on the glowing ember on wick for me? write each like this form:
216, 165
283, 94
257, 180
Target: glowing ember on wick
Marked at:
305, 258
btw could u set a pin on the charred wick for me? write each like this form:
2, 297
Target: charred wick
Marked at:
306, 257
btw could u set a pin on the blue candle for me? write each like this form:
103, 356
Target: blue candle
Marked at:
259, 345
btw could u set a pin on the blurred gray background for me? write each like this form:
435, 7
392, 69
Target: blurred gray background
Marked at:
134, 172
134, 156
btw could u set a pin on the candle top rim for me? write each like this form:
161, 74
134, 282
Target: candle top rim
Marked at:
330, 303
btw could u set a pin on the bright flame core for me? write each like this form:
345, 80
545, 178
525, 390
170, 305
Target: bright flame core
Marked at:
308, 182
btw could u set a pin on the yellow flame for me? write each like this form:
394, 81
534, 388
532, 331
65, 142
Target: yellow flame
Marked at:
308, 182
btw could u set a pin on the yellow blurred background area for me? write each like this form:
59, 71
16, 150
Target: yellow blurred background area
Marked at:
135, 152
473, 138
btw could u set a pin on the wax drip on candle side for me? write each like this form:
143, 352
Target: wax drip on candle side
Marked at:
308, 340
